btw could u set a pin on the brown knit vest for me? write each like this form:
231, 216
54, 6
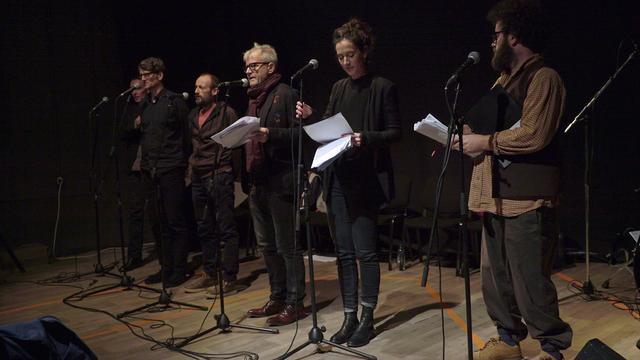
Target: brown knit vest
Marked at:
531, 176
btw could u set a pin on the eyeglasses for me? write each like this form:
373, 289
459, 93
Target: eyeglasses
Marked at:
495, 35
254, 66
144, 75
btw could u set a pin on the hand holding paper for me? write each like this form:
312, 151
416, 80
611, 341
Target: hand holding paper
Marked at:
237, 133
329, 132
432, 128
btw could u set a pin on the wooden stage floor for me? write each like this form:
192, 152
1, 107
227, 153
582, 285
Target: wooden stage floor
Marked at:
408, 317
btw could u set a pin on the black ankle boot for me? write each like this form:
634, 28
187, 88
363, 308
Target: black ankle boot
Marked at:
364, 332
349, 325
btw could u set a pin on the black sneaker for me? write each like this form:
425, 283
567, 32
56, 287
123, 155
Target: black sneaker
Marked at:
154, 278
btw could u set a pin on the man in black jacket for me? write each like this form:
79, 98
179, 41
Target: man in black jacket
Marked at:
269, 162
165, 149
212, 176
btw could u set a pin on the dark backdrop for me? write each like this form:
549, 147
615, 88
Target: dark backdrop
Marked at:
59, 58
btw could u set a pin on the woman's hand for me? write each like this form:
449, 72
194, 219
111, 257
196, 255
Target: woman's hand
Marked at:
356, 139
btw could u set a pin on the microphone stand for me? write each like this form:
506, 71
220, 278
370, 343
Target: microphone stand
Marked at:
587, 286
95, 185
222, 320
315, 335
126, 281
463, 231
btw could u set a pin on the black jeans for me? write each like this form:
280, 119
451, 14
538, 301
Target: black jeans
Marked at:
355, 239
517, 255
213, 209
168, 193
140, 201
273, 222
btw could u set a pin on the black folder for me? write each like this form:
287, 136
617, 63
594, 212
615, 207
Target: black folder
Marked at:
495, 111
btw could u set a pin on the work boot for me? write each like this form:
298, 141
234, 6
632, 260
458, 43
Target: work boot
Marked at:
496, 349
364, 333
349, 326
200, 284
230, 288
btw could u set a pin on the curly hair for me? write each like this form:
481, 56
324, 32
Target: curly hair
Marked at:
152, 64
525, 19
358, 32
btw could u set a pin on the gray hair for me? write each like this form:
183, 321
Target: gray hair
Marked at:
267, 53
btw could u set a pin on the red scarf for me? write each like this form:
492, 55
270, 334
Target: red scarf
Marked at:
254, 154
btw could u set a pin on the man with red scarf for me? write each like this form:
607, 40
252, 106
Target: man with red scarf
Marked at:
269, 162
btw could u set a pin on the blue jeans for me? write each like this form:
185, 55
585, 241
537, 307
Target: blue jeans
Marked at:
355, 239
213, 209
273, 222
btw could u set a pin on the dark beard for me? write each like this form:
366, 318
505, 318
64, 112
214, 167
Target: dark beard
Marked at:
502, 57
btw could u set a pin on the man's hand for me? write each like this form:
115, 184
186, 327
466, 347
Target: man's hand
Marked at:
261, 135
473, 144
137, 122
303, 110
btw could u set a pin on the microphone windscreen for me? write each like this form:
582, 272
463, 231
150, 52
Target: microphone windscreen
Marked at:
475, 56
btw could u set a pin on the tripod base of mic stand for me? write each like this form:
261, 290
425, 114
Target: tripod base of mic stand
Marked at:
163, 300
224, 325
102, 270
587, 287
316, 337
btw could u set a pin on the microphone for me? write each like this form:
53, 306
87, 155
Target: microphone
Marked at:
313, 64
472, 59
184, 96
236, 83
133, 87
103, 101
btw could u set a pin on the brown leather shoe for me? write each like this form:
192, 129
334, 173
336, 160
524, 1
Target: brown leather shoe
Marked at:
288, 315
272, 307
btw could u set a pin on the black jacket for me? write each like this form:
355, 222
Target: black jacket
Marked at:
382, 125
165, 137
278, 114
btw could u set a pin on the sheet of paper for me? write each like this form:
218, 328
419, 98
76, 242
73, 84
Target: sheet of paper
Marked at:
237, 133
327, 153
432, 128
328, 129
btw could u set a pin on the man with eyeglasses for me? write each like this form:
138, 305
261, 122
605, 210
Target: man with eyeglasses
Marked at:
165, 147
269, 163
517, 200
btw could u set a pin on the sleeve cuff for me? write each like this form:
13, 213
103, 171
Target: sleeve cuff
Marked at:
493, 143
